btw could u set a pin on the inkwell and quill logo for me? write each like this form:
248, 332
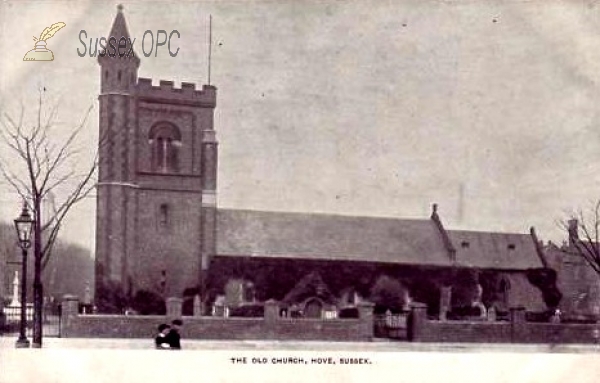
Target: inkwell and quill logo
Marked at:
40, 52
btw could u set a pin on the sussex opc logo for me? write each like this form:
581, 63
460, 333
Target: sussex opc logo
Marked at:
40, 52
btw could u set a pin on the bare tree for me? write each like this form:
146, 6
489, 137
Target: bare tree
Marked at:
584, 239
38, 164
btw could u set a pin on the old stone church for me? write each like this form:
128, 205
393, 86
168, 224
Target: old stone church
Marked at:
160, 233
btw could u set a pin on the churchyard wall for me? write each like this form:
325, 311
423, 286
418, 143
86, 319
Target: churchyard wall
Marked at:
274, 327
271, 326
517, 330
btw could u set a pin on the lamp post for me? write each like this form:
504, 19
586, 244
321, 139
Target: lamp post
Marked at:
24, 226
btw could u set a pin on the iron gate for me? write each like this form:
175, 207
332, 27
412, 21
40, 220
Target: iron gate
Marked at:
391, 326
10, 321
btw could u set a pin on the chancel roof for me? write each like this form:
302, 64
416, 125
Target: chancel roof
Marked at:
494, 250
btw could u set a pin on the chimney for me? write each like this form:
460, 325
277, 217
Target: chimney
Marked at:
573, 229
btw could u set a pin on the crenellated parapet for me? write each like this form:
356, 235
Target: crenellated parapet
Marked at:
187, 93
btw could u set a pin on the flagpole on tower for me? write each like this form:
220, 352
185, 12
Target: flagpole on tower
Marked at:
209, 45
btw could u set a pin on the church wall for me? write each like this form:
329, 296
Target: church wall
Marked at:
167, 242
116, 113
116, 237
523, 294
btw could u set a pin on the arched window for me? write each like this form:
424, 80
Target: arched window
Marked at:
164, 140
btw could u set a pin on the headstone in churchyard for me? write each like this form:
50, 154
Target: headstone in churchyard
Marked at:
197, 306
234, 293
219, 306
445, 299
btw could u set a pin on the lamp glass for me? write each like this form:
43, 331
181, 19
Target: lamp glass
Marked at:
24, 227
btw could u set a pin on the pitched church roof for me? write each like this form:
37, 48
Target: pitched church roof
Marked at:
367, 239
323, 236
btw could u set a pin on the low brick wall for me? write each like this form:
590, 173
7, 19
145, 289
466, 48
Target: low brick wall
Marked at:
507, 332
145, 326
471, 332
516, 331
136, 326
74, 325
317, 329
110, 326
559, 333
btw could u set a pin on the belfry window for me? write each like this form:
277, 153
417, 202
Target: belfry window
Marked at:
165, 141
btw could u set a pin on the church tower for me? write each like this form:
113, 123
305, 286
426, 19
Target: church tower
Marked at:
155, 221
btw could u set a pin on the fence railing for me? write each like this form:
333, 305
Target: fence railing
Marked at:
10, 320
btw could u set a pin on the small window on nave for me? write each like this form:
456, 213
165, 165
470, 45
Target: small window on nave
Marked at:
165, 141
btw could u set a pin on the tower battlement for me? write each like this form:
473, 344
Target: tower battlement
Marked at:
187, 92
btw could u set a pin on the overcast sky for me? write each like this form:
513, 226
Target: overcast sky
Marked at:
364, 108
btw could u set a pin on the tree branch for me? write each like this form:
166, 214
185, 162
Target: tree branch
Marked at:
64, 152
587, 248
20, 187
47, 167
80, 192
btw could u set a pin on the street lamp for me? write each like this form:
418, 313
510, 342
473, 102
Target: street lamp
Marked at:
24, 226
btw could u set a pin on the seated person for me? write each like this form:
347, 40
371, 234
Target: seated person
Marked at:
173, 337
161, 341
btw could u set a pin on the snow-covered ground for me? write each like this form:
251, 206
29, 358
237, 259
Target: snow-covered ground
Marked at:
135, 360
